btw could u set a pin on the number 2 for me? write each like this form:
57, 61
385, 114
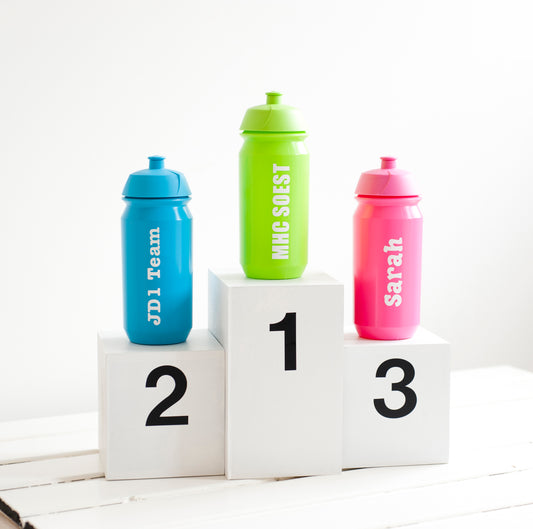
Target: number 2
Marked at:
288, 326
401, 386
180, 380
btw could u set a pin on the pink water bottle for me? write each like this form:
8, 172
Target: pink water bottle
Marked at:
387, 226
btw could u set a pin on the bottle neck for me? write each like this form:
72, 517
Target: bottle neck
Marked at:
273, 135
175, 201
388, 200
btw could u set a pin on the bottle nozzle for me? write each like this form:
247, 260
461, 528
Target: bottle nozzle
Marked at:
156, 162
273, 98
388, 162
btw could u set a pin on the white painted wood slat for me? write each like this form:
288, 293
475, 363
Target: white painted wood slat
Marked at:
38, 439
516, 517
48, 471
490, 384
272, 505
43, 426
72, 496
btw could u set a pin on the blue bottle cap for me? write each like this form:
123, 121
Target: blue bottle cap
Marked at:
156, 182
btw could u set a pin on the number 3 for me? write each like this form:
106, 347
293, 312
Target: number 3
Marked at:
402, 386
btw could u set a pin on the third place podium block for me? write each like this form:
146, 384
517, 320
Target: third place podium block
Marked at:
396, 400
283, 341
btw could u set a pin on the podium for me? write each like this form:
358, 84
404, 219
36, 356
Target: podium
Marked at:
275, 388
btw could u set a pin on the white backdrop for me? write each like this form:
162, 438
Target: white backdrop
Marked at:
89, 89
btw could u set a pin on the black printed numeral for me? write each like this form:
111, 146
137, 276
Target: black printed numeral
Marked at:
402, 386
288, 326
180, 380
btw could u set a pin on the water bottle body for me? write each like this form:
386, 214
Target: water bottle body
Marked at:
274, 205
157, 270
387, 267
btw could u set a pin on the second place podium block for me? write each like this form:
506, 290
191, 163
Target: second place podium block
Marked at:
283, 341
161, 407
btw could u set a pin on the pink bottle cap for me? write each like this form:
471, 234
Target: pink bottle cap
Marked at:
386, 181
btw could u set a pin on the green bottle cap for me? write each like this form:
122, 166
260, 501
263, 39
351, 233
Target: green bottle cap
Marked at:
273, 117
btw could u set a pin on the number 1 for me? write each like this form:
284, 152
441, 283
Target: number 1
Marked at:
288, 326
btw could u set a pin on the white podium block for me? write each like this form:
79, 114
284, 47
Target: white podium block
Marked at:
161, 407
283, 341
396, 401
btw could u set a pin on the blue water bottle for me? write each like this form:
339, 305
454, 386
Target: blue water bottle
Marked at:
157, 256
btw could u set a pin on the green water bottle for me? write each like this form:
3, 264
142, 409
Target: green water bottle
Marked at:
274, 191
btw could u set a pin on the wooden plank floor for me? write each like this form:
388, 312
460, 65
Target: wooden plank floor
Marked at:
50, 475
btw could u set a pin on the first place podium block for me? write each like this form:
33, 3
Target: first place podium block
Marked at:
283, 341
161, 407
396, 401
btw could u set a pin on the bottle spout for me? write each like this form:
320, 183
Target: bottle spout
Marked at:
388, 162
156, 162
273, 98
